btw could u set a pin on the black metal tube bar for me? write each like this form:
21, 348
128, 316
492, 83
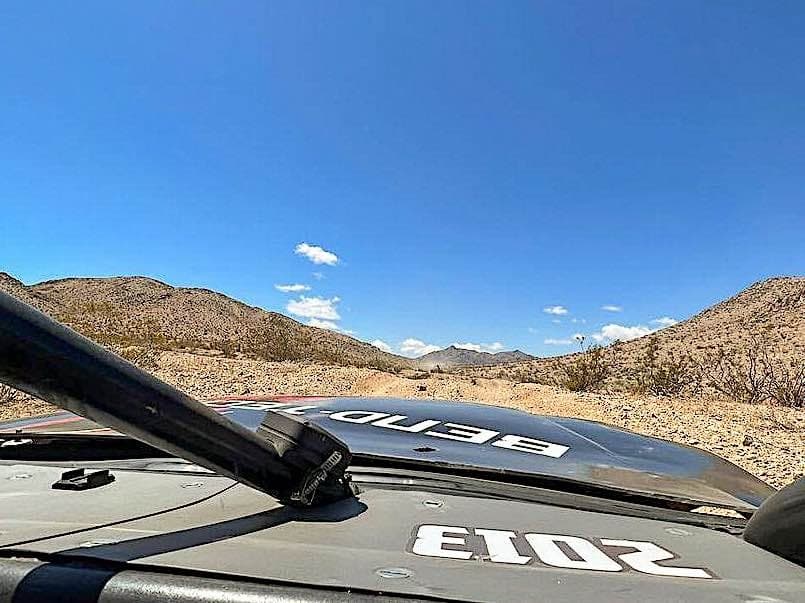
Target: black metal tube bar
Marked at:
48, 360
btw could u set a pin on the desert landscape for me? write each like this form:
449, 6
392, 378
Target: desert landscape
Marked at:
729, 380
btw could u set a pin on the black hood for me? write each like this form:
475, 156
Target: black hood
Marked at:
462, 436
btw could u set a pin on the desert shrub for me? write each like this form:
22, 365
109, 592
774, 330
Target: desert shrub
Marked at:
9, 395
381, 364
143, 358
626, 384
275, 345
531, 374
587, 370
228, 347
663, 376
741, 377
785, 383
754, 375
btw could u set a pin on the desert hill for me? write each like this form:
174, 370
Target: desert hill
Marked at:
769, 314
772, 311
145, 312
453, 356
139, 311
27, 294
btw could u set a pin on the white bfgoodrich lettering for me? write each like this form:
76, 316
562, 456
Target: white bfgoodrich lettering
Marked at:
434, 428
298, 410
465, 433
393, 422
357, 416
555, 550
252, 405
430, 541
524, 444
647, 553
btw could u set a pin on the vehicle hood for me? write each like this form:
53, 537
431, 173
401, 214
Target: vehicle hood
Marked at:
377, 542
460, 436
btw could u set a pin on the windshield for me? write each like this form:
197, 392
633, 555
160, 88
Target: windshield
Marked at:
587, 214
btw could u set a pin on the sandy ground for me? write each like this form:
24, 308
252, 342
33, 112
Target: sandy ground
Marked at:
766, 441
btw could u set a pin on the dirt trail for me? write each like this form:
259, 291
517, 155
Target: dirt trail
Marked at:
766, 441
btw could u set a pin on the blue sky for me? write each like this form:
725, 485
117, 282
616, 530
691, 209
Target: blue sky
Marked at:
469, 164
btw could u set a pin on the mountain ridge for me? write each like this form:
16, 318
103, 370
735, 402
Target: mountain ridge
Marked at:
87, 303
769, 313
454, 356
142, 311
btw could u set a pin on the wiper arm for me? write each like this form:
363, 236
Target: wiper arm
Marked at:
294, 461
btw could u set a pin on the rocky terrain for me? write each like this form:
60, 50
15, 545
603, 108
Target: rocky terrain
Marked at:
765, 440
210, 346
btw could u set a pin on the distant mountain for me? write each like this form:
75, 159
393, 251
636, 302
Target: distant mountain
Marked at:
452, 356
138, 311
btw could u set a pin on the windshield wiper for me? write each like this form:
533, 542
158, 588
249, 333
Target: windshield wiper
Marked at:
292, 460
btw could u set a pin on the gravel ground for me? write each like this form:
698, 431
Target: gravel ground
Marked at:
766, 441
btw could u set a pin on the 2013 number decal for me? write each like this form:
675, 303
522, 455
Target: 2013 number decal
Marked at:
555, 550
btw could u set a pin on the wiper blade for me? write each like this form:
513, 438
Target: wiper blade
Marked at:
290, 459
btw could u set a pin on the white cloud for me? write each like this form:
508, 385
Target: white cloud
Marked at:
532, 330
380, 344
578, 320
551, 341
616, 332
318, 275
292, 288
613, 332
316, 254
557, 321
414, 347
556, 310
612, 308
323, 324
481, 347
314, 307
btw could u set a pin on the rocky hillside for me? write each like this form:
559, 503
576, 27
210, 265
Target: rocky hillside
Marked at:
771, 311
27, 294
138, 311
769, 314
452, 357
